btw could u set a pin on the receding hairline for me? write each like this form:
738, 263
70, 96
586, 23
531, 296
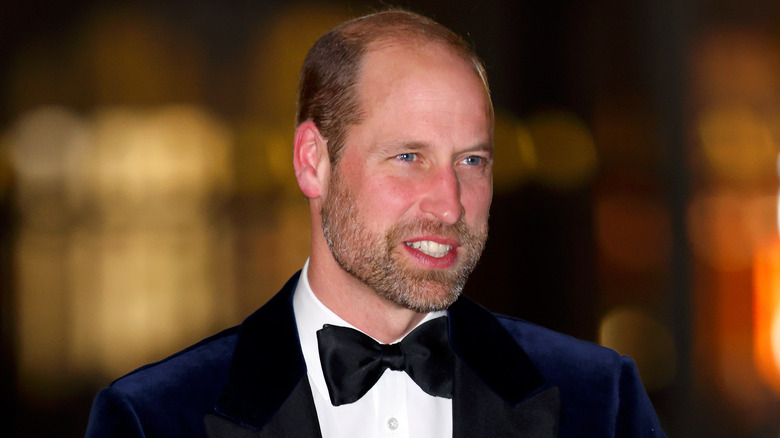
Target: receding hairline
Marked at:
405, 28
411, 43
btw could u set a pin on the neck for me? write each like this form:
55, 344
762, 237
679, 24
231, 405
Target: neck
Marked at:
358, 304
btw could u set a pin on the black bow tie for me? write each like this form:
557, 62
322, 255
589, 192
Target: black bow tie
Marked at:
353, 362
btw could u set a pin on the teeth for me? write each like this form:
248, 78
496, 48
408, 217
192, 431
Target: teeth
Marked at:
430, 248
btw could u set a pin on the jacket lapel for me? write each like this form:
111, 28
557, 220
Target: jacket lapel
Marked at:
498, 392
295, 418
268, 394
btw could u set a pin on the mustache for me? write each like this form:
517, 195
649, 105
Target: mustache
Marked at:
459, 231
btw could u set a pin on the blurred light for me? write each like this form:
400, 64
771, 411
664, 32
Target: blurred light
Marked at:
263, 163
724, 228
735, 90
635, 333
150, 291
41, 312
773, 125
147, 160
49, 147
514, 151
197, 148
737, 145
120, 257
564, 150
633, 232
159, 256
274, 251
766, 304
5, 168
734, 66
766, 310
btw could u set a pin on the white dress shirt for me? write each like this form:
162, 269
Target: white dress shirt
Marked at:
395, 406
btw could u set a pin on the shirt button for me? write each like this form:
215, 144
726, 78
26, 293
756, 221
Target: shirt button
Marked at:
392, 423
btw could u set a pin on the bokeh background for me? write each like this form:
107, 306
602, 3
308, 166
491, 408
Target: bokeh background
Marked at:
147, 197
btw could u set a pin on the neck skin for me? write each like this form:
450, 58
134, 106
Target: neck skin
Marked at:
352, 300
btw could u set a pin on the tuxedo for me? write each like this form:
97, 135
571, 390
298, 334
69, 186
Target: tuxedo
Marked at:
511, 379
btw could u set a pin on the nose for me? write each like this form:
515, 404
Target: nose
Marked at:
442, 197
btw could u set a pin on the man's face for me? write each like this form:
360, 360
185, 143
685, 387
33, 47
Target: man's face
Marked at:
407, 207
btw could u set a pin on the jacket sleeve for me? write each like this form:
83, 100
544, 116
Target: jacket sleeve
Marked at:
635, 416
113, 416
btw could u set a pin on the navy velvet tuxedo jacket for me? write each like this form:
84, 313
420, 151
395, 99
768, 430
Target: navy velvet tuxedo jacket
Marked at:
512, 379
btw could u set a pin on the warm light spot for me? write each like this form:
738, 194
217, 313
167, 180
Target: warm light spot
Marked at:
766, 312
737, 145
41, 314
278, 251
724, 228
121, 258
776, 338
515, 154
148, 159
773, 124
564, 150
633, 232
736, 66
5, 169
48, 150
637, 334
157, 293
263, 163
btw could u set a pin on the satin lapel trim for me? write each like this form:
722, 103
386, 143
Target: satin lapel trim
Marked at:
268, 373
483, 344
497, 388
296, 418
480, 412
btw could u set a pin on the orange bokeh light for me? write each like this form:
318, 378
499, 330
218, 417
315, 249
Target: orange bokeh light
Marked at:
766, 309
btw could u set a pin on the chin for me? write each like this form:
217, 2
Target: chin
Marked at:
425, 297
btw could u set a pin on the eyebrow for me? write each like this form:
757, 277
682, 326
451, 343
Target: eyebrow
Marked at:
486, 147
423, 146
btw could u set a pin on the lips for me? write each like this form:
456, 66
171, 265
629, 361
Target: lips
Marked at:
430, 248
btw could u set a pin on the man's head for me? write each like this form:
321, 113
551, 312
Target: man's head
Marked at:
330, 72
403, 187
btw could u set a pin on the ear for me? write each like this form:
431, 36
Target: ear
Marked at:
310, 159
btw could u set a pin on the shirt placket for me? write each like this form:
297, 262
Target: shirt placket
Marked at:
393, 417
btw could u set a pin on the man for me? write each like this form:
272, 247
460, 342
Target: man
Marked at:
393, 149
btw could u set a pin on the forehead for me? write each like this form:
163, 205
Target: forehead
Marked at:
416, 85
389, 63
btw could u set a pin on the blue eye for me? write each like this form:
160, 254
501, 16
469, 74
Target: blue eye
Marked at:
409, 156
473, 160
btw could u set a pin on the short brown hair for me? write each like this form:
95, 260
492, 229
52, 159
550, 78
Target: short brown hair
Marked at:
327, 84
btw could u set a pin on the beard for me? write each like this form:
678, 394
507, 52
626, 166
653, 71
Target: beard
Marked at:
376, 259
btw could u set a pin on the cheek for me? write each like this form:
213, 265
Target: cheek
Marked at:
476, 201
384, 200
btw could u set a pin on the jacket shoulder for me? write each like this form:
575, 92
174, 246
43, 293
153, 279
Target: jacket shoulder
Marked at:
542, 343
600, 389
207, 358
168, 397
